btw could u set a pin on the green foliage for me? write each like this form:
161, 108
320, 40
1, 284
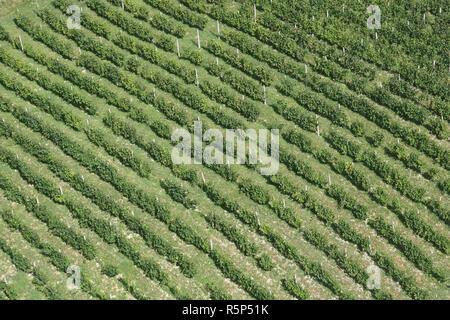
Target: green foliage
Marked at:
295, 289
265, 263
110, 270
178, 193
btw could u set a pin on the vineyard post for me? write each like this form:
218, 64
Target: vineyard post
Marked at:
218, 30
37, 4
196, 77
198, 39
21, 43
178, 47
317, 125
264, 89
254, 11
284, 203
123, 5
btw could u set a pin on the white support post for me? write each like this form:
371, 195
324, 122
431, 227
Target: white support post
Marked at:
264, 89
329, 179
178, 48
61, 190
198, 39
196, 77
21, 43
211, 245
284, 203
317, 125
123, 5
218, 29
203, 178
254, 11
